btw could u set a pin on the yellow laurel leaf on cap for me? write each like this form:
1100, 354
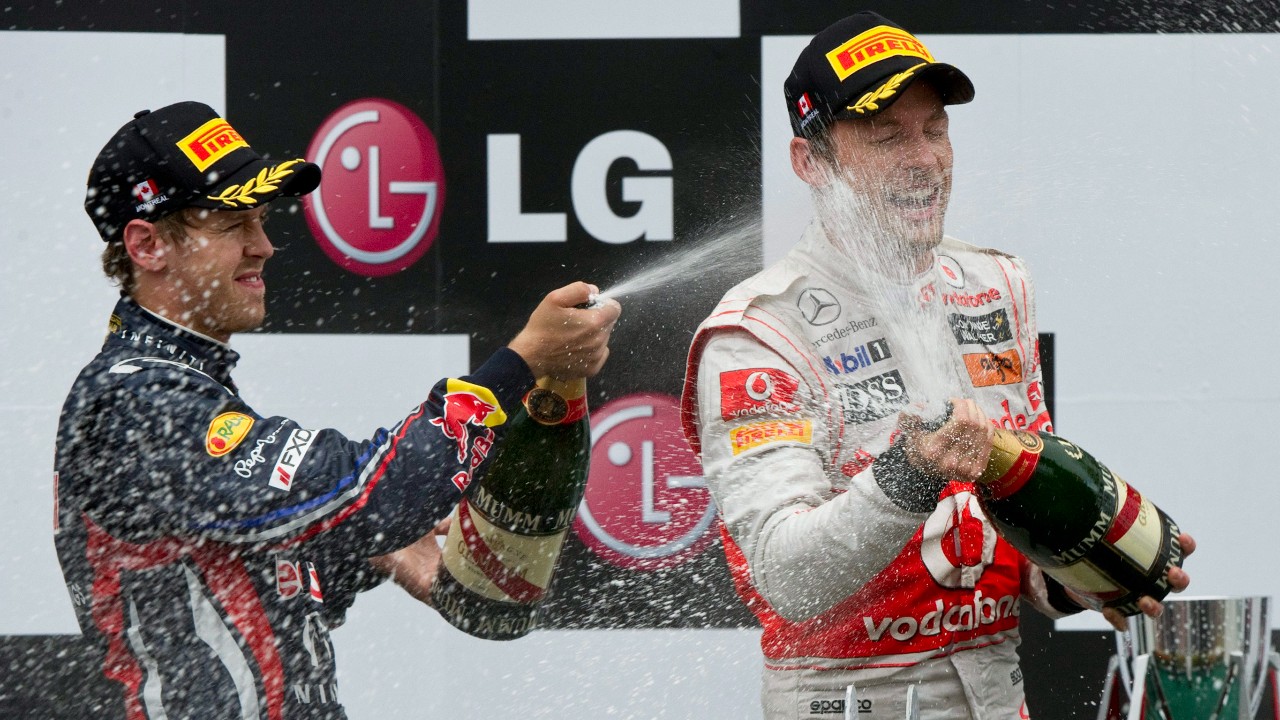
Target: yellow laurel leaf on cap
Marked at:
870, 101
266, 181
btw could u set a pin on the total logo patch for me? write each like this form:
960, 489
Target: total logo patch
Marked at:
226, 432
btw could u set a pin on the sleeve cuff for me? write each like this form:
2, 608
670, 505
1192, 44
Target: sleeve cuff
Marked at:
908, 487
507, 375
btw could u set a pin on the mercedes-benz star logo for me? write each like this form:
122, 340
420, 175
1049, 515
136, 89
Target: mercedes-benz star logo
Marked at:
818, 306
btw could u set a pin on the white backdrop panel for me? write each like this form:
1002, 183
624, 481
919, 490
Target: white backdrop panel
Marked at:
61, 96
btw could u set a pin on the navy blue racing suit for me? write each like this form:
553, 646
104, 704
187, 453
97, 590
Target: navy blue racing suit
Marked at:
209, 548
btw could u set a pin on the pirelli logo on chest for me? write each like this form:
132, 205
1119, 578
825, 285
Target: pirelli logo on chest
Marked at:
210, 142
872, 46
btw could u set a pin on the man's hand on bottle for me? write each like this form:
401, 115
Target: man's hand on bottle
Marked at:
958, 450
1178, 581
564, 341
414, 568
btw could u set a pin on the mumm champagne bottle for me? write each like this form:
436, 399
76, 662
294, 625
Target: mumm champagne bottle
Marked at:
511, 524
1077, 520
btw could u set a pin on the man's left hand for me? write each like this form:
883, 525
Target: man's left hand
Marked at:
1178, 580
414, 568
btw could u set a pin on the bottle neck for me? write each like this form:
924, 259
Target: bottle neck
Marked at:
557, 402
1013, 460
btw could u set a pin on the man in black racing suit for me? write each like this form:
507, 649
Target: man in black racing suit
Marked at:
209, 547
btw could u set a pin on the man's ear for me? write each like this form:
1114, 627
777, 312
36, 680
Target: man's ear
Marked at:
145, 246
806, 163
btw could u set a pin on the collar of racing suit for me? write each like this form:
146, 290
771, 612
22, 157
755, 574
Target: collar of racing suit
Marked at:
137, 329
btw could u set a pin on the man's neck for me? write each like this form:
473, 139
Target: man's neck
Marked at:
164, 312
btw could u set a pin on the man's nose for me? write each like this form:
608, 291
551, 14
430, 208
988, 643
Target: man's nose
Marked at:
921, 153
259, 244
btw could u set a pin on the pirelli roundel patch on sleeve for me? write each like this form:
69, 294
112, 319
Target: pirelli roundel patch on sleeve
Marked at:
226, 432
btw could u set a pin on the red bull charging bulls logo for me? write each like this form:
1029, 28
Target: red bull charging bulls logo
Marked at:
466, 405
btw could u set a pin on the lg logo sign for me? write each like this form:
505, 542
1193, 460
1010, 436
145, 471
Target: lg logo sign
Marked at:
647, 506
378, 208
587, 187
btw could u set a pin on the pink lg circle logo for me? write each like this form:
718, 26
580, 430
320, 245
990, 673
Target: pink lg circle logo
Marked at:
378, 208
647, 505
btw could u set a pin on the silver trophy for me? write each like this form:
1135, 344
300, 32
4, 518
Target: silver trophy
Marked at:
1207, 658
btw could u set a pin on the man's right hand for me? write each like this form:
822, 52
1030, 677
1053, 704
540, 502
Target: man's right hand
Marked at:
564, 341
958, 450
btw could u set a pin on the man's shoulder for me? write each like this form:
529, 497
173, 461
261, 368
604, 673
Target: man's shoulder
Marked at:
760, 290
982, 259
952, 245
143, 377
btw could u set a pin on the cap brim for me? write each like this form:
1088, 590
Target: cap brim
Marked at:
259, 183
953, 86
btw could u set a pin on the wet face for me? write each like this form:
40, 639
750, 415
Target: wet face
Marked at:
899, 162
216, 271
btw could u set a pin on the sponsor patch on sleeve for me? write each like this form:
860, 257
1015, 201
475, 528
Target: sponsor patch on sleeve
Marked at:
756, 391
295, 448
757, 434
226, 432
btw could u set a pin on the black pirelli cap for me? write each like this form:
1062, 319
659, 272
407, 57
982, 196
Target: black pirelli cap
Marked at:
857, 67
184, 155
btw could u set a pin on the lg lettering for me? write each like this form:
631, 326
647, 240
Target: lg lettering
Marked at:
653, 221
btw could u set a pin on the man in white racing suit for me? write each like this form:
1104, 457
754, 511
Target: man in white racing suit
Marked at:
851, 525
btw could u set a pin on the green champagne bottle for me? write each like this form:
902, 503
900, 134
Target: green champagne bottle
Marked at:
1077, 520
509, 528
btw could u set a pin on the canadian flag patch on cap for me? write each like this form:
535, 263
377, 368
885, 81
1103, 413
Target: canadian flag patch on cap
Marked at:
803, 105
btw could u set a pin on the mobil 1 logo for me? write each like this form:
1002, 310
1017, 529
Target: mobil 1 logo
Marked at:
873, 398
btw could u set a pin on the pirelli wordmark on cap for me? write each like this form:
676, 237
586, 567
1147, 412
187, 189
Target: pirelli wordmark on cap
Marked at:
878, 43
210, 142
859, 66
